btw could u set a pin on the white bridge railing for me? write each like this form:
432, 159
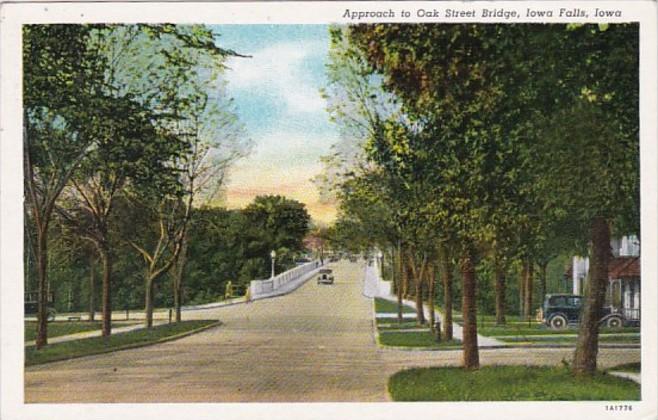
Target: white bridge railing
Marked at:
264, 287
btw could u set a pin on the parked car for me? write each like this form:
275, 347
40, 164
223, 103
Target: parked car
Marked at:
560, 310
31, 305
325, 276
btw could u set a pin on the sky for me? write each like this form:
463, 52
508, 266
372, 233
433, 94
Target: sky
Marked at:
277, 96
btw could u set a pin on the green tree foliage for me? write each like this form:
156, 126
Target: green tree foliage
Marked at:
505, 157
112, 109
594, 175
274, 223
62, 89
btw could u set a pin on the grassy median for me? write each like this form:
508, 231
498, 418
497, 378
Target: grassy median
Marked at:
541, 329
547, 339
424, 339
59, 328
386, 306
96, 345
508, 383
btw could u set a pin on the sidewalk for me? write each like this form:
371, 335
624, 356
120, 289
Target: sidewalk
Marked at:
94, 333
371, 289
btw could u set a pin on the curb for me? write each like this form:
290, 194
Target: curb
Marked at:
214, 306
132, 346
423, 349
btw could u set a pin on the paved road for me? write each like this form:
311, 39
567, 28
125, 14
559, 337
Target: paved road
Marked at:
316, 344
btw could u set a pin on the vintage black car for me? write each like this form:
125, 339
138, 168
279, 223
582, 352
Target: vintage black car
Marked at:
325, 276
31, 304
561, 310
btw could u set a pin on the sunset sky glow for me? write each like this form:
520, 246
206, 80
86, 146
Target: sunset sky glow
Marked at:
277, 98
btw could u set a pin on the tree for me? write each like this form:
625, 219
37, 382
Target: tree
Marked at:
591, 136
280, 224
61, 84
139, 136
216, 142
451, 79
206, 125
370, 212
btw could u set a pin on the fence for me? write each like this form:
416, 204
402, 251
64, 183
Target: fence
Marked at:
261, 287
631, 314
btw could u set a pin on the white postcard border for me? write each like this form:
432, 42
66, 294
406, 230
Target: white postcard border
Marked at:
13, 15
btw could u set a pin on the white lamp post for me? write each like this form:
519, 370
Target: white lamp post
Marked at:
273, 255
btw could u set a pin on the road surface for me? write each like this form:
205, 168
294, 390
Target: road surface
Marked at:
316, 344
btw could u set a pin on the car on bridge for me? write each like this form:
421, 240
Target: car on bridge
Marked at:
561, 310
325, 276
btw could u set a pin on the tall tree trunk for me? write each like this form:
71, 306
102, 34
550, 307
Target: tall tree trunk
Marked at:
446, 276
179, 272
500, 293
42, 304
148, 301
528, 286
587, 346
402, 278
471, 357
418, 276
522, 279
431, 280
405, 277
92, 287
106, 259
543, 267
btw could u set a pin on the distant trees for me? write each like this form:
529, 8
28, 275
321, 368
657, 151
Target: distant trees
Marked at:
222, 245
276, 223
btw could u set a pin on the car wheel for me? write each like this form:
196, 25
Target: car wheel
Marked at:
558, 322
614, 322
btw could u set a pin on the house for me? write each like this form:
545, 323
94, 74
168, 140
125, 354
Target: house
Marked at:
624, 276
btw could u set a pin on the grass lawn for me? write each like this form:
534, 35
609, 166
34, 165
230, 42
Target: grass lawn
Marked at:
96, 345
547, 339
59, 328
627, 367
423, 339
522, 329
508, 383
384, 306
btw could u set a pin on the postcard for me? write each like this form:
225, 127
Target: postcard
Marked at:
329, 210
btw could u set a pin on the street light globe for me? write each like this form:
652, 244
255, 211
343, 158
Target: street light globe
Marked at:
380, 254
273, 254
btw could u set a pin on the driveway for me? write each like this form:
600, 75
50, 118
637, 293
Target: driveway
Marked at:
316, 344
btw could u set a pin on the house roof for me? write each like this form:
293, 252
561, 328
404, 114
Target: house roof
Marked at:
622, 267
618, 268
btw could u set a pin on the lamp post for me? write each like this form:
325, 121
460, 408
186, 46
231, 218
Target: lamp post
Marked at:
273, 256
380, 256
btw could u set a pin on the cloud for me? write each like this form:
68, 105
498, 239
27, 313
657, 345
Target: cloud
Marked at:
291, 148
284, 71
